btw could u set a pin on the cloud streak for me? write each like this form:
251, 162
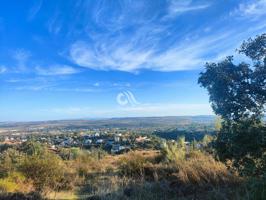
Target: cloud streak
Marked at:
3, 69
132, 56
34, 10
56, 70
183, 6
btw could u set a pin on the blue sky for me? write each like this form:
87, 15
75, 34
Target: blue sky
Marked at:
68, 59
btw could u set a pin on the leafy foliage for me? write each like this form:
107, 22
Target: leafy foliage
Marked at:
238, 94
232, 90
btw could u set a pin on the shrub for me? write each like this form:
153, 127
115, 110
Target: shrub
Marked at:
33, 148
9, 161
171, 152
85, 163
46, 172
132, 164
13, 183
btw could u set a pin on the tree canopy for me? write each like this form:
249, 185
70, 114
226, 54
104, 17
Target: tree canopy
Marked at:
238, 91
238, 95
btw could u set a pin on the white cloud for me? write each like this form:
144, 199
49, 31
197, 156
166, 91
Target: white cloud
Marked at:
56, 70
2, 69
177, 7
177, 59
129, 37
144, 50
114, 57
153, 44
133, 55
251, 9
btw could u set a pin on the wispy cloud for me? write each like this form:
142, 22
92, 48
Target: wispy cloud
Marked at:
32, 88
182, 6
56, 70
131, 56
21, 56
3, 69
35, 9
123, 58
154, 44
54, 25
114, 16
253, 9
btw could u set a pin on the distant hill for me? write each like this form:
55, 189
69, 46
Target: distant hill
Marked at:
130, 122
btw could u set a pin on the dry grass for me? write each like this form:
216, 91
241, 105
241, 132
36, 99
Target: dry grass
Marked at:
132, 165
145, 175
15, 182
200, 169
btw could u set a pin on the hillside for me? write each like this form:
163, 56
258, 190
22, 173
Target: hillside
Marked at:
130, 123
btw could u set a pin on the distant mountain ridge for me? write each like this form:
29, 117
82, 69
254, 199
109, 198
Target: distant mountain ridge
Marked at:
127, 122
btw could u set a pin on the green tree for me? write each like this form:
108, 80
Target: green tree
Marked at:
238, 95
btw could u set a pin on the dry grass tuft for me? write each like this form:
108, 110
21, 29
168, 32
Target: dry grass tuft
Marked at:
201, 169
132, 165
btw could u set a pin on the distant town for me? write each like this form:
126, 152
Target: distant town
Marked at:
130, 134
111, 140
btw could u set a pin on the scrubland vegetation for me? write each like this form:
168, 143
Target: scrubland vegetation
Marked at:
232, 165
31, 171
